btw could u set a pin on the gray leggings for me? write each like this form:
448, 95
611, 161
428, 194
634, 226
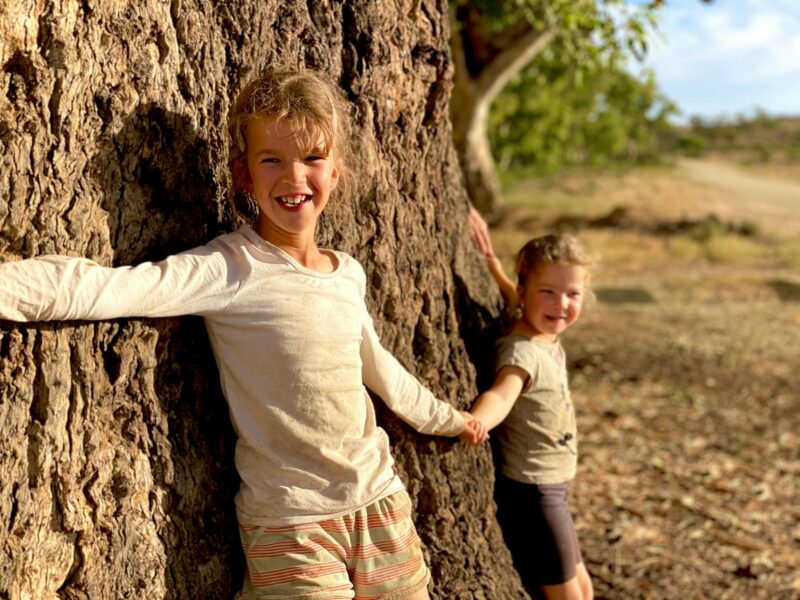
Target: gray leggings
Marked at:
539, 532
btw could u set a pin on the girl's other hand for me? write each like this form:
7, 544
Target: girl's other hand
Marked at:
480, 232
474, 432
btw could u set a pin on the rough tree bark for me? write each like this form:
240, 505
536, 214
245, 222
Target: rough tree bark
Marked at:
484, 63
116, 467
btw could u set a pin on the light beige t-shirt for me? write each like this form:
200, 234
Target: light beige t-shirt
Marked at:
295, 350
538, 439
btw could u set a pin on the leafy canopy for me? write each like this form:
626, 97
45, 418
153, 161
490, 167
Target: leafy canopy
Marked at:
577, 103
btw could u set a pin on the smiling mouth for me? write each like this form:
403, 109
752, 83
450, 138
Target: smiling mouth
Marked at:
293, 201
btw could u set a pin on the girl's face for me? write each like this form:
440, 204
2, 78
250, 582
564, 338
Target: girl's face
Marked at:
290, 180
552, 298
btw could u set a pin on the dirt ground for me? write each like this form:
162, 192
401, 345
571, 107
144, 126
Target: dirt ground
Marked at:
686, 377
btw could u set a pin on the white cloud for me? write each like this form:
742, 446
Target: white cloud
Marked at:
729, 57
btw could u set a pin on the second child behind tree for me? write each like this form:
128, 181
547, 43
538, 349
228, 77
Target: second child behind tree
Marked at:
530, 404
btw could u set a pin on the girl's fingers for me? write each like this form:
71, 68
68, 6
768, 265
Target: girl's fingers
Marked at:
480, 232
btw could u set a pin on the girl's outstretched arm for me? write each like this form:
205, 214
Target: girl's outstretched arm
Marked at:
480, 234
63, 288
493, 406
402, 392
507, 287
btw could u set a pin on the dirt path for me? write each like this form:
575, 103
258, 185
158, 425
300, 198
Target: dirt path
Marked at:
772, 201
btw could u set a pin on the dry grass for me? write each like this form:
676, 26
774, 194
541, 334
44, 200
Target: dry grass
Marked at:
651, 198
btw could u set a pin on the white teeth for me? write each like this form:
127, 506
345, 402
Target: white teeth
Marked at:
293, 200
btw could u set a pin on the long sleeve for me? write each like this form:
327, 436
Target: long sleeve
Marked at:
63, 288
401, 391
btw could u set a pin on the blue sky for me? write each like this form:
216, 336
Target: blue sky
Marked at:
729, 57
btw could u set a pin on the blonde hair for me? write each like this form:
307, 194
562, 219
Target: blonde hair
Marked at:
311, 104
554, 248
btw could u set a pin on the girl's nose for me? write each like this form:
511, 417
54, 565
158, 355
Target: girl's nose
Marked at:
295, 172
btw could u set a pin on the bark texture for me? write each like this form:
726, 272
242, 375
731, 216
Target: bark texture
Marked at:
116, 460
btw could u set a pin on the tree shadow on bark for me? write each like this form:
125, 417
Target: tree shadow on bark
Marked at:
480, 326
157, 176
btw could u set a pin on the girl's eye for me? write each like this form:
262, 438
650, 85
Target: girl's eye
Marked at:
314, 157
269, 160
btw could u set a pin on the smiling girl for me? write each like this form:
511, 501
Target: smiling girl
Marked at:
321, 512
530, 402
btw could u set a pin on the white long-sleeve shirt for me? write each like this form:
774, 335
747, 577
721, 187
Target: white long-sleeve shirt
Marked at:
294, 348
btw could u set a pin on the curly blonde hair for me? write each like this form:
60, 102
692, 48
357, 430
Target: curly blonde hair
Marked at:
312, 105
553, 248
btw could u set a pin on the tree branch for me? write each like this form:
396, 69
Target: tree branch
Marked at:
511, 61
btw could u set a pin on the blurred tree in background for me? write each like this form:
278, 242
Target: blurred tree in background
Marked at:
582, 44
555, 115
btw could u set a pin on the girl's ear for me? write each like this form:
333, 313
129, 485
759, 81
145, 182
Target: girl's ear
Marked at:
335, 176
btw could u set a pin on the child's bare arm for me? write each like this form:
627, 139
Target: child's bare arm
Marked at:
493, 406
507, 287
480, 234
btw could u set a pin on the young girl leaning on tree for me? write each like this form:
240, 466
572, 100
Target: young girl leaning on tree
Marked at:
530, 401
321, 512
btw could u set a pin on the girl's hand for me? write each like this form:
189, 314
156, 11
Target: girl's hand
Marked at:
480, 235
474, 432
480, 232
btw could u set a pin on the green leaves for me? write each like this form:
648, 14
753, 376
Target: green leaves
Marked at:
577, 104
557, 115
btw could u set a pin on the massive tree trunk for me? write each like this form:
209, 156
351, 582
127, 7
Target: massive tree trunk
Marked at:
116, 465
484, 63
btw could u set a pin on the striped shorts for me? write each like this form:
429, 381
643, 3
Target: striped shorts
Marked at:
371, 553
